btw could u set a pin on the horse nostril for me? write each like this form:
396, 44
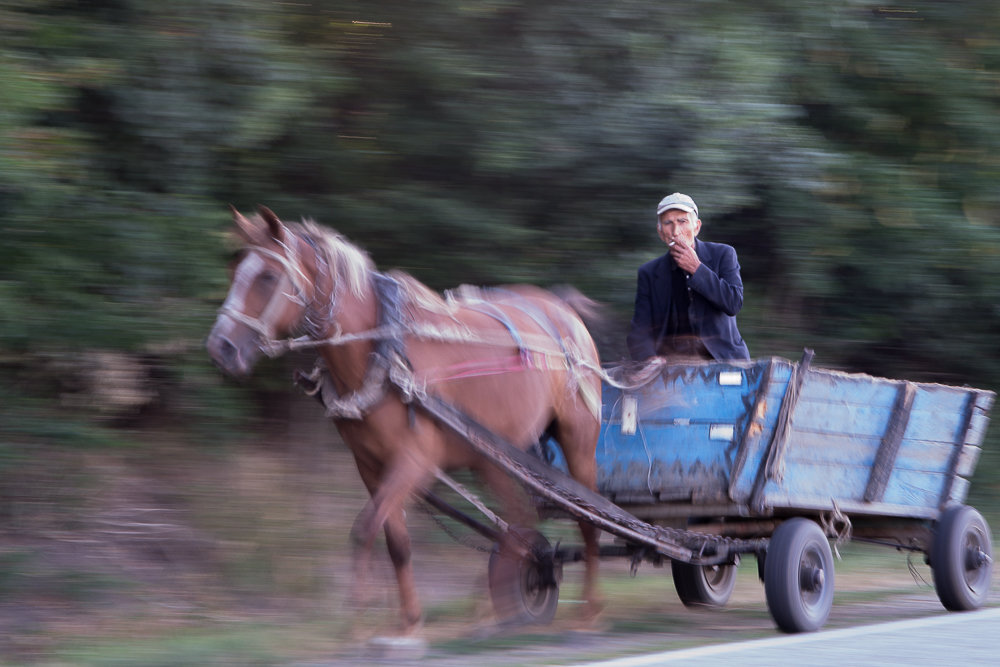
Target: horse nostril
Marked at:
227, 351
223, 351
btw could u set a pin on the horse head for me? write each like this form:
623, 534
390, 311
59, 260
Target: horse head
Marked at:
270, 293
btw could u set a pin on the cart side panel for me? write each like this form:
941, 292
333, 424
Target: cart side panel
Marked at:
685, 436
959, 491
760, 431
968, 460
836, 434
813, 486
939, 414
937, 426
708, 434
940, 449
980, 420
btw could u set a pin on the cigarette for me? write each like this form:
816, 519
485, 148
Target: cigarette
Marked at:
671, 244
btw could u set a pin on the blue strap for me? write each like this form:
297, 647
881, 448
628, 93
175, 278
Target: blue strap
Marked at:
491, 309
540, 318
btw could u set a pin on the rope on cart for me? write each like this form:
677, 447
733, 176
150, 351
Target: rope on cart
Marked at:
917, 577
836, 524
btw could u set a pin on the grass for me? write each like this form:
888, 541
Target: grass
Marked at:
246, 646
252, 568
642, 613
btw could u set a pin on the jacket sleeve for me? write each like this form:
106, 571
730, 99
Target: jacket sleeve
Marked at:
723, 289
641, 338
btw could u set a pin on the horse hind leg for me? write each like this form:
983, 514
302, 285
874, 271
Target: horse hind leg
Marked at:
578, 439
591, 536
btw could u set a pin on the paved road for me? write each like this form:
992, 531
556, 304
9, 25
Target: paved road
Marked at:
971, 638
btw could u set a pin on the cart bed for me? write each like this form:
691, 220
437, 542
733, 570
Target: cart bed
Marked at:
775, 437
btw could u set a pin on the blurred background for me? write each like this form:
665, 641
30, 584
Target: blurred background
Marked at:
850, 152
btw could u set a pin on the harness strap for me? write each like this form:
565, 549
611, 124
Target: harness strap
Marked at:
389, 297
389, 366
491, 309
542, 320
387, 350
479, 368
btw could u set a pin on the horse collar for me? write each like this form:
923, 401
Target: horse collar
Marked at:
387, 357
389, 299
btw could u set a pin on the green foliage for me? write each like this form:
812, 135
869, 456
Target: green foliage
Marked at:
849, 153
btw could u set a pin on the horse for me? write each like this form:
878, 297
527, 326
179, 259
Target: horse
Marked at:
518, 360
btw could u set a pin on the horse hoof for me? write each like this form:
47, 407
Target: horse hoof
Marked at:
592, 610
396, 648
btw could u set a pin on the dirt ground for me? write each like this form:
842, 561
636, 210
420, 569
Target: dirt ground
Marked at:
175, 557
643, 614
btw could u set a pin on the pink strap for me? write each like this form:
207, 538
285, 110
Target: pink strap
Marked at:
525, 361
480, 368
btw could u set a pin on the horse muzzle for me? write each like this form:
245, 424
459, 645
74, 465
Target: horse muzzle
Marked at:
232, 357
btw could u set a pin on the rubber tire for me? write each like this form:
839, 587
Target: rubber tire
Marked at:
962, 580
799, 550
703, 585
524, 590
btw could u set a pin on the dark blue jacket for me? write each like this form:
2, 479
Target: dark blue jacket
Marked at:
716, 297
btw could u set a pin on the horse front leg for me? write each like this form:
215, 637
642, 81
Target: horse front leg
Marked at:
385, 512
397, 539
361, 555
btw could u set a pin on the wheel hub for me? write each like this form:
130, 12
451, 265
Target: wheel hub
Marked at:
976, 558
812, 579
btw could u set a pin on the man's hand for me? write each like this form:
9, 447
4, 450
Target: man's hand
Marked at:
685, 256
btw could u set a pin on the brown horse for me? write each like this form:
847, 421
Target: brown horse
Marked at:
517, 360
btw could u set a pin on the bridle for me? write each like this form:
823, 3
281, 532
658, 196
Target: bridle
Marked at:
292, 286
387, 363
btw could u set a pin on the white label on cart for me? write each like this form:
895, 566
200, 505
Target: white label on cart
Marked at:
721, 432
630, 409
731, 378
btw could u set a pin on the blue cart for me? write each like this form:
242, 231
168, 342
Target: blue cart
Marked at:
771, 438
792, 456
701, 463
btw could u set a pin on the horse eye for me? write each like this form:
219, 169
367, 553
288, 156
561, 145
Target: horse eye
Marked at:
268, 278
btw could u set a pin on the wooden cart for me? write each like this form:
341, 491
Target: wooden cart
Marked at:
710, 461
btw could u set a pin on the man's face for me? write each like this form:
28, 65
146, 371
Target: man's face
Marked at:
678, 225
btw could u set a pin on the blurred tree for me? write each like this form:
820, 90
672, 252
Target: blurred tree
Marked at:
115, 118
848, 152
902, 274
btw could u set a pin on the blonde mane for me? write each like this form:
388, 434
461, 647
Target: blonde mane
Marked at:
421, 296
352, 266
350, 263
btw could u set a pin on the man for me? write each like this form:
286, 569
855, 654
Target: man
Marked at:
686, 301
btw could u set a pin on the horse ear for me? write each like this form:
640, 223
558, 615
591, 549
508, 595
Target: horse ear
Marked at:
273, 223
244, 227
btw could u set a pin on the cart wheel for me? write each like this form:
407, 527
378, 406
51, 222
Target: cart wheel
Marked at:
962, 558
703, 585
524, 589
798, 576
